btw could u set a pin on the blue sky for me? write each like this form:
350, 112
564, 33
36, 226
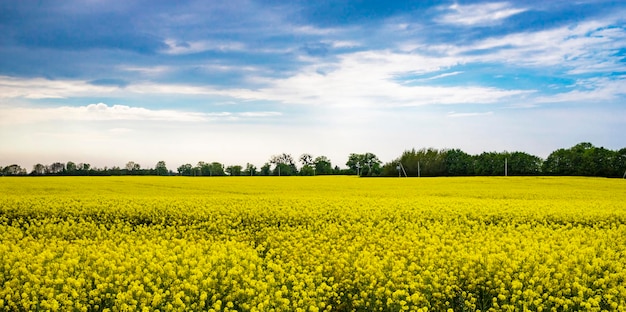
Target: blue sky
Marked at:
107, 82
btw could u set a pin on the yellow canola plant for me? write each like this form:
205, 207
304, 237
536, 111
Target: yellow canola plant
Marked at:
312, 244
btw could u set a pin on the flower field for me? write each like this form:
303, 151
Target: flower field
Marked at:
312, 244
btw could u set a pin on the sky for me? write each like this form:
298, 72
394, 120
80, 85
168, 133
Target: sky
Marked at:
108, 82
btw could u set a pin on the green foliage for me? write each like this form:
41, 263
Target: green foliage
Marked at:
234, 170
284, 165
366, 164
584, 159
458, 163
323, 165
161, 168
250, 170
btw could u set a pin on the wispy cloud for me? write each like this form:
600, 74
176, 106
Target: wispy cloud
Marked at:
189, 47
459, 115
479, 14
40, 88
104, 112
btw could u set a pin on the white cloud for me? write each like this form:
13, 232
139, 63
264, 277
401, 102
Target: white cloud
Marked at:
40, 88
312, 30
457, 115
479, 14
444, 75
365, 79
587, 47
104, 112
148, 70
596, 90
259, 114
189, 47
343, 44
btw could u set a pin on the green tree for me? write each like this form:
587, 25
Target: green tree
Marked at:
284, 165
185, 170
266, 169
458, 163
56, 168
489, 164
619, 163
161, 168
234, 170
71, 168
250, 170
307, 165
307, 170
13, 170
583, 159
132, 167
520, 163
203, 169
366, 164
217, 169
559, 162
322, 165
38, 169
423, 162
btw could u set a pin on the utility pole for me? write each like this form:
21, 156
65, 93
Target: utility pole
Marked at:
506, 167
419, 174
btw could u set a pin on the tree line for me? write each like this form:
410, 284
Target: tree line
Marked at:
583, 159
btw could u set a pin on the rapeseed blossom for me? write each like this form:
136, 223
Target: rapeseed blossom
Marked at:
312, 244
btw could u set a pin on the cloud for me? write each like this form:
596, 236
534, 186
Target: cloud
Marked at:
259, 114
312, 30
316, 48
458, 115
148, 70
594, 90
482, 14
189, 47
40, 88
588, 47
104, 112
121, 83
366, 79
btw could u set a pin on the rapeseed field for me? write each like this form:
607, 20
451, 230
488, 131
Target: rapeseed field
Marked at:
312, 244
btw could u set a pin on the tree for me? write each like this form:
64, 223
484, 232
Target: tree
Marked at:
131, 166
520, 163
619, 163
458, 163
234, 170
364, 164
185, 170
84, 167
323, 165
266, 169
306, 159
39, 169
250, 170
70, 168
56, 168
217, 169
13, 170
161, 168
307, 170
203, 169
559, 162
584, 159
284, 165
489, 164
